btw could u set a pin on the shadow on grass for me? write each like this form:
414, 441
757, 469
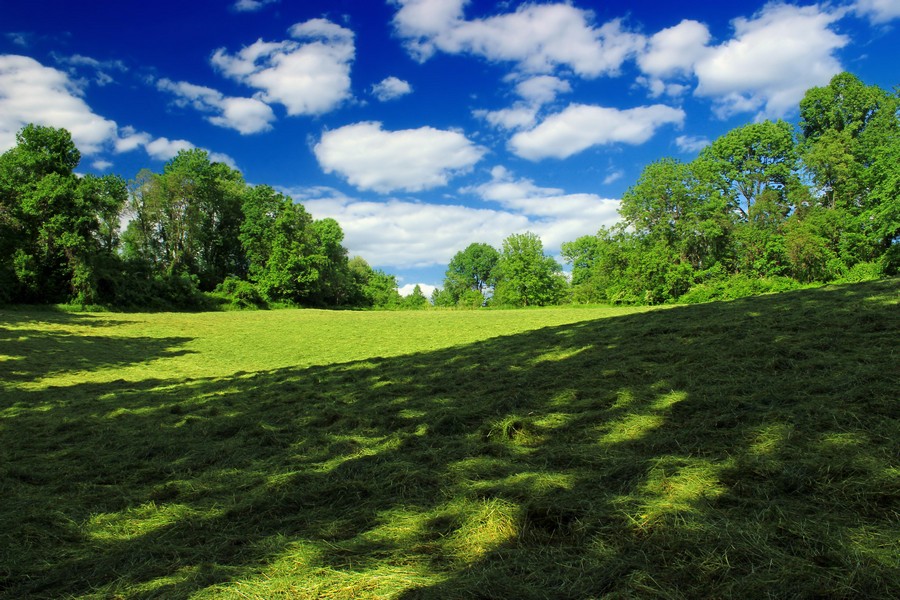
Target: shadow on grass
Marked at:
743, 449
29, 354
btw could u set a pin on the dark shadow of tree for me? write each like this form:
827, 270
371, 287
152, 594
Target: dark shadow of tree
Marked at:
740, 449
28, 353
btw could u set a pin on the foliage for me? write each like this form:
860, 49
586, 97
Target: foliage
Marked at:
720, 450
737, 286
524, 276
240, 294
470, 270
52, 223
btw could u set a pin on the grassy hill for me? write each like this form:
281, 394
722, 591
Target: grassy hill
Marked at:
740, 449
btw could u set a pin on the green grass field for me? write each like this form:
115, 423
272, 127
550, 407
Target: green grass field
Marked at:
742, 449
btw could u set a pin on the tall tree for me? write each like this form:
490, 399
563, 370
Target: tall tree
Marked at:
50, 218
525, 276
752, 159
471, 270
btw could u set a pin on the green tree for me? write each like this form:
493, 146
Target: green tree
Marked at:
752, 159
525, 276
50, 219
377, 289
416, 300
471, 270
849, 139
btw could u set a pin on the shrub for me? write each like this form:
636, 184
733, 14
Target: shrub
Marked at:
240, 294
737, 286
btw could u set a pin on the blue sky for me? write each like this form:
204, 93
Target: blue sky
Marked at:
425, 125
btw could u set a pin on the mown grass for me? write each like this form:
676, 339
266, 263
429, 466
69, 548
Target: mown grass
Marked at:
740, 449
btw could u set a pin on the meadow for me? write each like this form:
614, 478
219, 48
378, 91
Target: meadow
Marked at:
738, 449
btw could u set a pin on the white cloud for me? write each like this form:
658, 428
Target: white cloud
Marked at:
542, 89
691, 143
581, 126
251, 5
535, 92
245, 115
391, 88
165, 149
538, 38
878, 11
519, 116
552, 213
33, 93
772, 60
129, 139
404, 234
675, 50
411, 159
613, 177
101, 165
309, 75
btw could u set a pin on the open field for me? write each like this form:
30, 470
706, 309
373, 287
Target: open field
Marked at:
740, 449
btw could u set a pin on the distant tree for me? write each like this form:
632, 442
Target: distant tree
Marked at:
525, 276
471, 269
416, 300
377, 289
442, 298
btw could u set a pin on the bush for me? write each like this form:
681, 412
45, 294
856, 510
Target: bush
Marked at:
864, 271
240, 294
737, 286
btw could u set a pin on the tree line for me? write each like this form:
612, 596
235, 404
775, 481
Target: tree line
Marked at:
175, 239
765, 207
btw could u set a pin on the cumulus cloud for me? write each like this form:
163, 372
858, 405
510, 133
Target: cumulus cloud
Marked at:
309, 74
163, 148
519, 116
411, 159
523, 114
581, 126
33, 93
537, 38
542, 89
878, 11
552, 213
766, 67
391, 88
245, 115
406, 234
772, 60
675, 50
130, 139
